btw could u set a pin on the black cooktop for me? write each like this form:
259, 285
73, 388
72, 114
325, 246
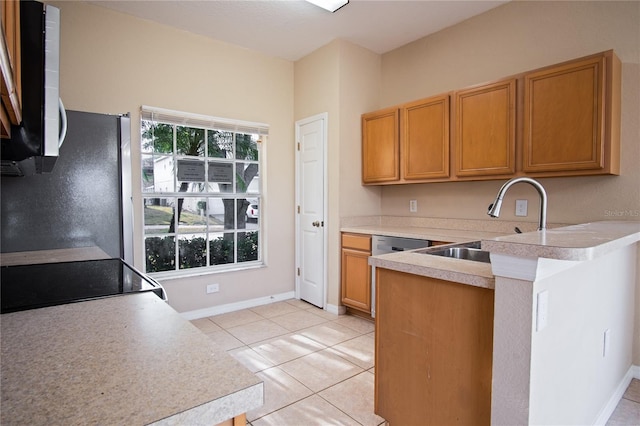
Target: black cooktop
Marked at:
48, 284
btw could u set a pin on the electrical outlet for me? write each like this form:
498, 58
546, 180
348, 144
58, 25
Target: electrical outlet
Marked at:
606, 342
213, 288
542, 310
521, 207
413, 206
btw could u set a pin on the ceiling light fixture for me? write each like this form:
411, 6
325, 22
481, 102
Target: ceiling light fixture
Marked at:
330, 5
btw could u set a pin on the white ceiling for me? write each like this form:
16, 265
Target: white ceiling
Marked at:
291, 29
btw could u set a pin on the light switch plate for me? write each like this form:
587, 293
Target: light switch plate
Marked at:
542, 310
521, 207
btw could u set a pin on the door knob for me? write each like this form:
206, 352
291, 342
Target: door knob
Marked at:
316, 223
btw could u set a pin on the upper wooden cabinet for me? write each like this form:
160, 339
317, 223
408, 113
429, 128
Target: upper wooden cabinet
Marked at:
572, 117
561, 120
380, 148
485, 130
409, 142
10, 62
425, 138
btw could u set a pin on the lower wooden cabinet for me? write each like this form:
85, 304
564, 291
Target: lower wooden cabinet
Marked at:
236, 421
434, 349
439, 243
356, 272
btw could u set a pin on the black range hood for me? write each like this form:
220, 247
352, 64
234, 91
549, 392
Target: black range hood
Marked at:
34, 144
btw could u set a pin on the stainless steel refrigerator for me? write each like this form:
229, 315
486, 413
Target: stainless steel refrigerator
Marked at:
86, 199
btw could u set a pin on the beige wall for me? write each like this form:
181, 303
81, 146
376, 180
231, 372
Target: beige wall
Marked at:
114, 63
342, 80
513, 38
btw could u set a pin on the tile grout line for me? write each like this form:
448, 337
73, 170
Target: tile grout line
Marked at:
342, 354
298, 309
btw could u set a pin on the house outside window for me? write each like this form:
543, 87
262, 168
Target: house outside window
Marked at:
201, 192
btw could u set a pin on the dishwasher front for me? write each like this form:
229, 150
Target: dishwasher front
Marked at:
382, 244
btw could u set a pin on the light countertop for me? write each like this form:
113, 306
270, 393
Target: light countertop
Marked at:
423, 233
122, 360
52, 256
575, 243
460, 271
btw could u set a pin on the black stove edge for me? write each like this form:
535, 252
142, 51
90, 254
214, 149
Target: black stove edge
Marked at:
157, 289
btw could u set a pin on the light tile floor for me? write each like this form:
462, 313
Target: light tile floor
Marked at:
317, 367
628, 410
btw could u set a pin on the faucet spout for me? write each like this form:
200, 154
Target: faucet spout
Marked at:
494, 209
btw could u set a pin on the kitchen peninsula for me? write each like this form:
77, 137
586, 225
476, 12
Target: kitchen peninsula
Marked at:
119, 360
562, 307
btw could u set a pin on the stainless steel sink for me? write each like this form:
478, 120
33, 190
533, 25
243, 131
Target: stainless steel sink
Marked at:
465, 251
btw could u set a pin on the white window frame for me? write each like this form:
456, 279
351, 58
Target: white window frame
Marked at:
179, 118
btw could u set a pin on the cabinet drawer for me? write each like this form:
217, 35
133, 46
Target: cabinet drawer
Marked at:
356, 242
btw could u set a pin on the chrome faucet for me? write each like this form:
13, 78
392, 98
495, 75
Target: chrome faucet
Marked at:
494, 209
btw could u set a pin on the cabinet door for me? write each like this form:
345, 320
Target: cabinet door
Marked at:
434, 346
425, 139
485, 130
563, 117
380, 148
11, 111
356, 279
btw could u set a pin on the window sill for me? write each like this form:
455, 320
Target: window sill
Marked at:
188, 273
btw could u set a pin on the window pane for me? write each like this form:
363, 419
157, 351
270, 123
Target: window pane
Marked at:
246, 147
192, 215
158, 215
157, 173
190, 141
160, 253
221, 248
146, 137
247, 246
220, 176
221, 214
251, 214
246, 174
220, 144
193, 251
157, 137
191, 176
201, 194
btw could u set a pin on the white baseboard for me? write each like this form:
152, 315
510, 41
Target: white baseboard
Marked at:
335, 309
605, 413
236, 306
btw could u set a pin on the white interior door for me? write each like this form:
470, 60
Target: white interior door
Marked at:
310, 200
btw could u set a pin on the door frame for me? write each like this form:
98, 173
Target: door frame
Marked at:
325, 126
